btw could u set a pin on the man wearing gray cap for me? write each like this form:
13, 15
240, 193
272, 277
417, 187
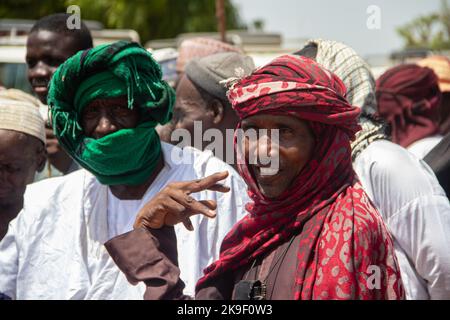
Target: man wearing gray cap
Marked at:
22, 151
201, 102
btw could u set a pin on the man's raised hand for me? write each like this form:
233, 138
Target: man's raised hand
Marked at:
174, 204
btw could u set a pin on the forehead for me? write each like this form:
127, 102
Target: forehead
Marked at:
274, 121
13, 144
45, 42
108, 102
186, 90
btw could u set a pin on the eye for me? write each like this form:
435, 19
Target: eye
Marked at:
286, 131
178, 115
54, 62
249, 126
13, 169
89, 114
121, 111
31, 63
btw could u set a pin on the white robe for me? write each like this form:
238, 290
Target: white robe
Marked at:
54, 248
417, 213
422, 147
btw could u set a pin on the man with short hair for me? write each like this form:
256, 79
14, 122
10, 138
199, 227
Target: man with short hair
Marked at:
190, 49
22, 152
49, 44
201, 97
105, 104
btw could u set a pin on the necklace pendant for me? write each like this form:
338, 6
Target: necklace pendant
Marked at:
250, 290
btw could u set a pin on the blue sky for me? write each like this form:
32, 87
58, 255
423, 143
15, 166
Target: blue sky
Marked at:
342, 20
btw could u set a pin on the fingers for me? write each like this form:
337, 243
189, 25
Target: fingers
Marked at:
174, 204
188, 224
177, 212
154, 216
219, 187
186, 221
205, 207
211, 204
207, 182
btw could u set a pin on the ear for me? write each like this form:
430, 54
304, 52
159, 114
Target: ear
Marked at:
218, 111
41, 158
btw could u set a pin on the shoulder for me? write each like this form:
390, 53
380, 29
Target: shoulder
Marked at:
353, 207
48, 198
51, 188
422, 147
390, 166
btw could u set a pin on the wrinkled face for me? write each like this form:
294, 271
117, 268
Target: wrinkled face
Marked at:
20, 157
105, 116
294, 149
46, 50
190, 107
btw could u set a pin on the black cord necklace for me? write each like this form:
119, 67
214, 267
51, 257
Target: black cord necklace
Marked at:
256, 289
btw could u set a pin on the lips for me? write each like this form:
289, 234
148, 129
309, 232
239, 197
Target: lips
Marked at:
266, 175
39, 85
40, 89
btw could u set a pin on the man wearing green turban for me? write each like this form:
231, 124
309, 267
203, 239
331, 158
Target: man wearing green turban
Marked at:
105, 103
129, 155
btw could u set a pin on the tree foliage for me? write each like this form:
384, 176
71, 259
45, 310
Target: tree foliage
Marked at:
428, 31
152, 19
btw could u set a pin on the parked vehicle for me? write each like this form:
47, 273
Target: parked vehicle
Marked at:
13, 37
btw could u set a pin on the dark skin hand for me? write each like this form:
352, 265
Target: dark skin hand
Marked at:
174, 204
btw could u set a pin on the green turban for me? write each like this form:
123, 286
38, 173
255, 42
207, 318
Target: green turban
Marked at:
127, 156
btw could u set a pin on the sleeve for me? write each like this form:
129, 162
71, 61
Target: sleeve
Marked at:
149, 256
9, 262
230, 209
422, 231
222, 289
416, 211
205, 241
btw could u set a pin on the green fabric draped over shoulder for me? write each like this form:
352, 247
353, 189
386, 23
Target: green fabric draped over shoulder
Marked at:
127, 156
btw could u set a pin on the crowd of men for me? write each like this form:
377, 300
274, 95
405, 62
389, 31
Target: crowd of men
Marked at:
99, 200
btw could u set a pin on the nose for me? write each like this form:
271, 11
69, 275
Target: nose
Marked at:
266, 148
40, 70
104, 127
178, 125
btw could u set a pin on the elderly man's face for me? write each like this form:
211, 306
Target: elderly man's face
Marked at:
20, 157
46, 50
105, 116
294, 149
190, 107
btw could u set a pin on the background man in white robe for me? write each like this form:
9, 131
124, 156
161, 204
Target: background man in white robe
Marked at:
54, 249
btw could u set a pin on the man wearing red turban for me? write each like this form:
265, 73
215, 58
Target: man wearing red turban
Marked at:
408, 99
311, 231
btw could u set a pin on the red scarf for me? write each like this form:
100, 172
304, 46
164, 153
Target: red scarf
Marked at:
408, 98
341, 233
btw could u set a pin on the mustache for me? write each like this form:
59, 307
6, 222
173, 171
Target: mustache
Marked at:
39, 82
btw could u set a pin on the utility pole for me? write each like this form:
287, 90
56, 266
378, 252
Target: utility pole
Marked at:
221, 19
